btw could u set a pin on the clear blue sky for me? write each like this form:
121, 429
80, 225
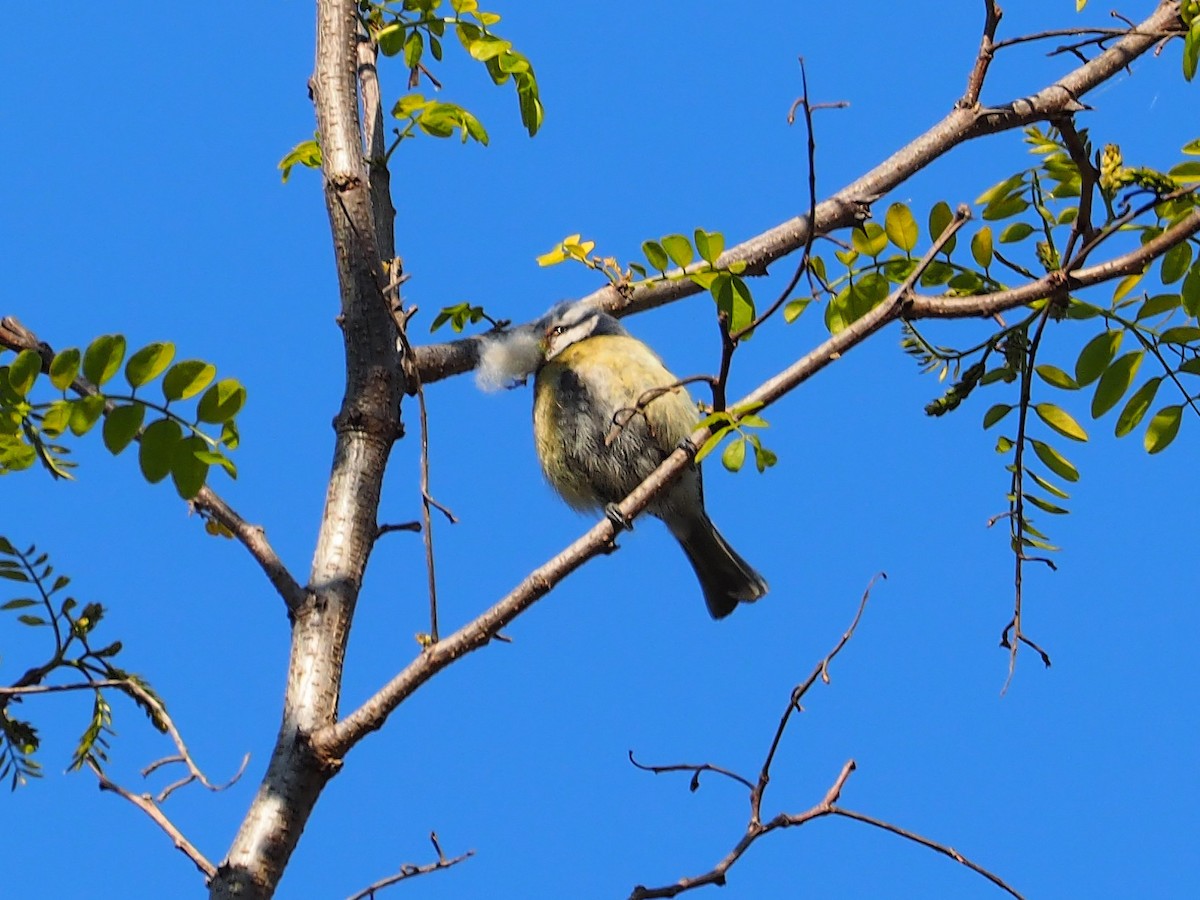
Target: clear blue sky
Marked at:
141, 196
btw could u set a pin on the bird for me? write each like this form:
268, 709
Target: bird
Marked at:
606, 413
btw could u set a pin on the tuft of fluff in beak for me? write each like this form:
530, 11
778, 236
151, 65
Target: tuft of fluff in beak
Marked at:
508, 358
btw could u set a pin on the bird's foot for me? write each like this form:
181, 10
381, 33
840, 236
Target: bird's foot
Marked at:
620, 521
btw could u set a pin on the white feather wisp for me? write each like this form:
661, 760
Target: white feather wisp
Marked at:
508, 358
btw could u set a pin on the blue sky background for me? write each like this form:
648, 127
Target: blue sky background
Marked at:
141, 196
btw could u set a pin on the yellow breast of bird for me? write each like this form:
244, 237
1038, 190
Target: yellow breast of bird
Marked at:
600, 424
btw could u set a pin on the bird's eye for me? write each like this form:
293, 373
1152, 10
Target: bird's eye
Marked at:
558, 330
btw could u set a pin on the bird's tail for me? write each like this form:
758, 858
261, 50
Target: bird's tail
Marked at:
725, 578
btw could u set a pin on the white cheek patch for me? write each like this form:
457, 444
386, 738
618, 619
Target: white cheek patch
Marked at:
507, 359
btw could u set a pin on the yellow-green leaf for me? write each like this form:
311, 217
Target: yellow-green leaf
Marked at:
1163, 428
1061, 421
901, 227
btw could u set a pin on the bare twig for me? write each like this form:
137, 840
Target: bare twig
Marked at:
987, 50
756, 828
150, 808
411, 870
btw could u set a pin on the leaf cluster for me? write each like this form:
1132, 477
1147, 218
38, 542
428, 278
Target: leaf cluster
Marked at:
169, 443
71, 627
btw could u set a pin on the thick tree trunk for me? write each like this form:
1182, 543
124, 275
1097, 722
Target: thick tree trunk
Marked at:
366, 427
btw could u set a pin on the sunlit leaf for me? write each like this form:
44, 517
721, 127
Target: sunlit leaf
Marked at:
1061, 421
1163, 428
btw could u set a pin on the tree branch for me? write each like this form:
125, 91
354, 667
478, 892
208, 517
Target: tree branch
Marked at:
852, 204
150, 808
411, 870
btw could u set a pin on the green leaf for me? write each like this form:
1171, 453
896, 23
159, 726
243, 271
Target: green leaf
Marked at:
1005, 209
734, 455
120, 426
1127, 284
221, 402
713, 439
414, 46
1001, 190
187, 379
1115, 382
1056, 377
1136, 407
188, 471
24, 371
64, 368
85, 412
1157, 305
734, 300
306, 153
981, 247
1047, 485
1015, 232
1045, 505
390, 39
103, 358
679, 249
148, 363
20, 603
1191, 291
901, 227
995, 414
57, 418
157, 449
655, 255
869, 240
940, 218
1096, 355
1191, 55
1163, 428
710, 245
1180, 334
1061, 421
1054, 461
1175, 262
793, 309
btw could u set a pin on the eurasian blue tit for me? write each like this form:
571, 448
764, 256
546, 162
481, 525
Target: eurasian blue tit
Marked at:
601, 429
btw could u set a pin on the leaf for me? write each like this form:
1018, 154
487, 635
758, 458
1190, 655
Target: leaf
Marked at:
1001, 190
1096, 355
1136, 407
793, 309
1175, 262
869, 240
24, 371
414, 46
734, 455
655, 255
148, 363
157, 449
734, 300
1180, 334
679, 249
995, 414
1015, 232
1127, 284
103, 358
306, 153
221, 402
1045, 505
187, 379
1056, 377
1191, 54
1157, 305
1163, 428
64, 368
188, 471
1191, 291
1054, 461
981, 247
1115, 382
901, 227
1047, 486
85, 412
1061, 421
940, 218
710, 245
120, 426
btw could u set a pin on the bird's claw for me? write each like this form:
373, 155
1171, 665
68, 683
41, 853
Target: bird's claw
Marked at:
620, 521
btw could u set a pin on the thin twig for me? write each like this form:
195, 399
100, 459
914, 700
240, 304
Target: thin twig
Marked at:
694, 768
983, 59
150, 808
426, 518
411, 870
